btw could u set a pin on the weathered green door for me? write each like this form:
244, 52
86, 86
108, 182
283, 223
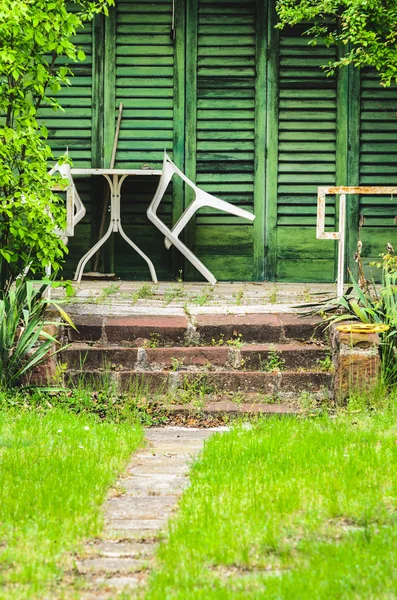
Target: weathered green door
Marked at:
246, 111
261, 123
225, 81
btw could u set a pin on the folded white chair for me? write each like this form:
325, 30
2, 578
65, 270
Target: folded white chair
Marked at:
75, 209
201, 199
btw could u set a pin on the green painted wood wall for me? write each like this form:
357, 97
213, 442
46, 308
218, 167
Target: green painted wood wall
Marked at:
246, 111
377, 164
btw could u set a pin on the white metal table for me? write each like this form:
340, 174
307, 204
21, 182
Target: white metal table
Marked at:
115, 179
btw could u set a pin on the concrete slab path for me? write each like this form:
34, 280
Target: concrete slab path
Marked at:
137, 510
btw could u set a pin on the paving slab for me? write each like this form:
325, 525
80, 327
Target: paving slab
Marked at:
150, 486
120, 549
105, 564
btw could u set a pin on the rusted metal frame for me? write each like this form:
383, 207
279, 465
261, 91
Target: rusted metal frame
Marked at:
321, 234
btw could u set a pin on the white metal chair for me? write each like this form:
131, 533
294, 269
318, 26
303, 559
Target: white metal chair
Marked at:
201, 199
75, 209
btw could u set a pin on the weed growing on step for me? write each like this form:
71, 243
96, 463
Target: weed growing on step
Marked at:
326, 364
273, 295
106, 292
237, 397
218, 342
174, 293
194, 390
273, 363
239, 297
307, 400
204, 297
145, 292
177, 364
96, 394
153, 341
307, 297
236, 341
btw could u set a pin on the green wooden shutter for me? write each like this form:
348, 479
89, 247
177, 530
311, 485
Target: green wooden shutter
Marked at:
378, 163
223, 113
145, 86
306, 157
73, 129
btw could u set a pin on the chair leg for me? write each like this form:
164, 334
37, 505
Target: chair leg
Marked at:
213, 203
183, 249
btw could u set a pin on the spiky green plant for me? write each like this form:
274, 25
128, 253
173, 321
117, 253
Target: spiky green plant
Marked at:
24, 341
371, 305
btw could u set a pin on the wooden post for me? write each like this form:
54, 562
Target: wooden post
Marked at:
260, 139
272, 146
109, 112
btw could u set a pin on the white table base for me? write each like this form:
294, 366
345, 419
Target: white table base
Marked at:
115, 182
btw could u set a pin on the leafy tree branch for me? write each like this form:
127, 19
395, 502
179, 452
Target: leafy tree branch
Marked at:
367, 29
36, 51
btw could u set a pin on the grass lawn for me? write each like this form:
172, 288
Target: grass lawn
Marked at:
55, 469
292, 509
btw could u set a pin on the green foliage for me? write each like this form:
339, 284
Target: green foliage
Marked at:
367, 31
55, 470
205, 295
287, 509
34, 35
24, 341
146, 291
274, 362
153, 341
326, 364
194, 391
370, 305
388, 261
97, 396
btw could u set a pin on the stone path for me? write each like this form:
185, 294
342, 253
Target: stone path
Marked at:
137, 510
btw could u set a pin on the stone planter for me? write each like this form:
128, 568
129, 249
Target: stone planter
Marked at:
356, 360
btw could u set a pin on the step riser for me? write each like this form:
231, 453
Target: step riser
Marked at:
184, 384
205, 330
247, 358
227, 410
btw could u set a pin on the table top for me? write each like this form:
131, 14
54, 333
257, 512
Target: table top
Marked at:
116, 172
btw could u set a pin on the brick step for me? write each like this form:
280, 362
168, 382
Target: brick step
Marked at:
283, 384
139, 330
228, 408
262, 357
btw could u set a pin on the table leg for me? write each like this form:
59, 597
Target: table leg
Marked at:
139, 251
115, 225
125, 236
83, 261
112, 227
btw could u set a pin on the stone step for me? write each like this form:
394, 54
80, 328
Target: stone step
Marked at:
139, 330
262, 357
283, 384
228, 408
